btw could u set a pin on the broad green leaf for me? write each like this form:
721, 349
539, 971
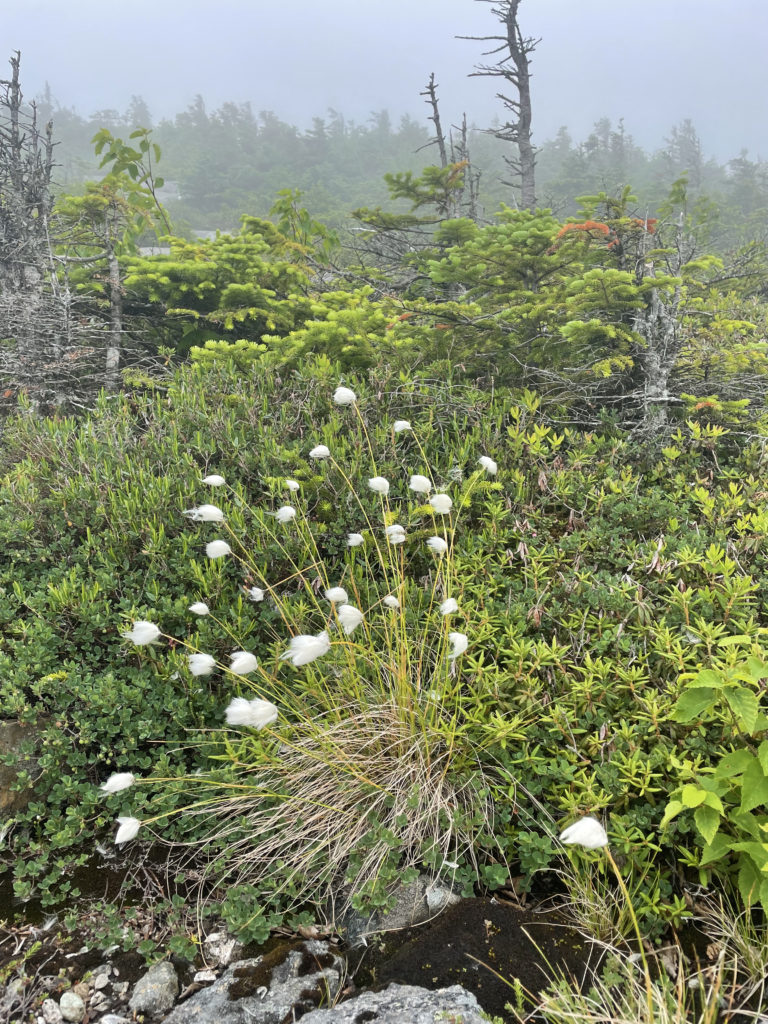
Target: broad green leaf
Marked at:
757, 852
692, 703
707, 678
750, 881
744, 704
718, 847
707, 822
758, 670
735, 763
762, 754
733, 641
673, 808
754, 787
692, 796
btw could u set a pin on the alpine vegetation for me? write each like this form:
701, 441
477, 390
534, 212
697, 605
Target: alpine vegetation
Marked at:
340, 757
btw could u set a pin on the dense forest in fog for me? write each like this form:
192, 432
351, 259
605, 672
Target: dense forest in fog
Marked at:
221, 164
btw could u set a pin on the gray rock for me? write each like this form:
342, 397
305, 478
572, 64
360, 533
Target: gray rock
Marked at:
113, 1018
155, 992
72, 1007
221, 948
414, 903
101, 980
266, 990
51, 1012
403, 1004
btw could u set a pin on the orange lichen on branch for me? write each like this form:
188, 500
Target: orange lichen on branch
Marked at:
649, 224
587, 225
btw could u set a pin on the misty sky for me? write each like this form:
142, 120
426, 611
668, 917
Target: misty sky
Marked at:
654, 62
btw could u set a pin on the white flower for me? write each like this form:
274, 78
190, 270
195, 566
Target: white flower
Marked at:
390, 601
285, 514
118, 781
143, 633
586, 832
438, 545
441, 503
217, 548
380, 484
449, 606
349, 617
205, 514
199, 608
256, 713
459, 643
129, 828
320, 451
337, 595
201, 664
395, 534
420, 484
488, 465
292, 485
400, 425
344, 396
255, 594
304, 649
242, 662
214, 480
354, 540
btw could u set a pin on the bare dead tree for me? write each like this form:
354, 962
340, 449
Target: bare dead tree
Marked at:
514, 68
431, 93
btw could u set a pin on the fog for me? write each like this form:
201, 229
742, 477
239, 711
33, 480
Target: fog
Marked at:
652, 62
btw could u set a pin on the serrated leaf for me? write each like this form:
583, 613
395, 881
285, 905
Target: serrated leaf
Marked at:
692, 703
718, 847
707, 678
762, 755
707, 821
744, 704
734, 763
750, 881
733, 641
754, 787
692, 796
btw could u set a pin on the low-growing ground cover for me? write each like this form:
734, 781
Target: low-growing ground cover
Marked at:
595, 581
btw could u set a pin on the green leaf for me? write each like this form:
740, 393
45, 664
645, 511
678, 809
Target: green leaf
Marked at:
707, 821
762, 755
707, 678
744, 705
673, 808
750, 881
692, 796
734, 763
754, 787
692, 703
733, 641
717, 847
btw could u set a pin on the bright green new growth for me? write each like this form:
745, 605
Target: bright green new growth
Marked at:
367, 772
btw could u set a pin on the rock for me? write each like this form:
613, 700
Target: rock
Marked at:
414, 904
101, 980
13, 995
399, 1004
155, 992
113, 1018
220, 948
14, 737
270, 989
81, 989
51, 1012
72, 1007
99, 1001
204, 977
